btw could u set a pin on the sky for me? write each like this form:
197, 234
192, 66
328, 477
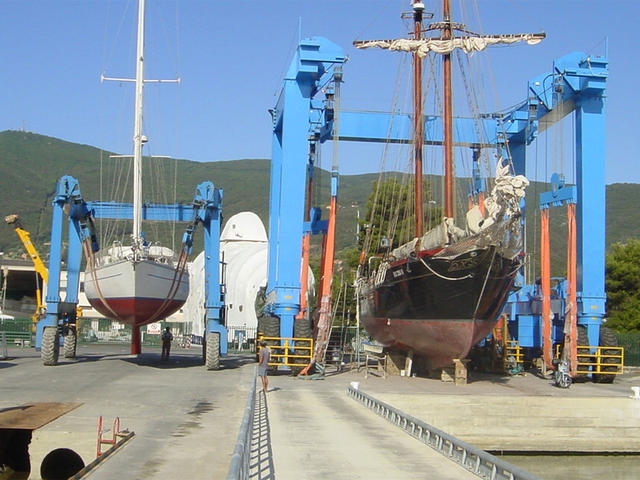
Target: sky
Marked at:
231, 57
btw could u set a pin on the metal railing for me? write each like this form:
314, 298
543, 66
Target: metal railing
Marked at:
239, 468
3, 346
600, 359
287, 345
475, 460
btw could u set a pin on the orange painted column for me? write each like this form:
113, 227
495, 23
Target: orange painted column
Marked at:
304, 276
545, 284
572, 306
324, 312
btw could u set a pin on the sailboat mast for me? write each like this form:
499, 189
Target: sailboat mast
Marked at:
138, 138
418, 120
447, 115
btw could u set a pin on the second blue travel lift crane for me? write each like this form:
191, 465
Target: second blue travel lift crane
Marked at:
60, 321
577, 83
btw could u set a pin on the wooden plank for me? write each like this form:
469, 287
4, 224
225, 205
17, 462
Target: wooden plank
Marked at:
34, 415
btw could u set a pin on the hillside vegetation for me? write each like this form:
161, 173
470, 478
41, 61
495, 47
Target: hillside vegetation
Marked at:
30, 164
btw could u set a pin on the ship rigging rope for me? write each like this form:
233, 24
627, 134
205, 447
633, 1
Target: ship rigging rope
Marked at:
484, 284
442, 276
91, 260
378, 201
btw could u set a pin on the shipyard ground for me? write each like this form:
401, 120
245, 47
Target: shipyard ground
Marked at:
186, 419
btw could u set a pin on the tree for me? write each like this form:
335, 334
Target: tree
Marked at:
390, 215
623, 286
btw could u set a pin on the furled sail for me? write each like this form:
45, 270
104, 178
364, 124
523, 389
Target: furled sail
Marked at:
468, 44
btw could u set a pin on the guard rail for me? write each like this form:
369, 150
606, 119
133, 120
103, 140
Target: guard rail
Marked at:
239, 468
477, 461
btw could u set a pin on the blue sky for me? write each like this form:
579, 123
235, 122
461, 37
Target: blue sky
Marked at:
232, 55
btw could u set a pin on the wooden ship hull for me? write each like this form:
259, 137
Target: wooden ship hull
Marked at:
438, 308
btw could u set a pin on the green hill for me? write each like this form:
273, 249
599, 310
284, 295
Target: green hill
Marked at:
30, 164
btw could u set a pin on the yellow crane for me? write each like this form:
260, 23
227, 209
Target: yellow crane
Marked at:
25, 238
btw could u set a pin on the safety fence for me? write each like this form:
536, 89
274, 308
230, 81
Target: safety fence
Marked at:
239, 468
630, 341
475, 460
288, 351
607, 360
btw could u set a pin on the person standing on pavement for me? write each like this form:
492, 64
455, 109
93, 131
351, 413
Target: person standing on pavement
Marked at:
263, 358
167, 338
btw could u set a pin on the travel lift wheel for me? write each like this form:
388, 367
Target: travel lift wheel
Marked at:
50, 349
607, 339
302, 328
212, 351
70, 343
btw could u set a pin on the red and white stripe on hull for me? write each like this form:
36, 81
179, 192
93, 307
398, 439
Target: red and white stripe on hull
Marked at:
138, 293
137, 311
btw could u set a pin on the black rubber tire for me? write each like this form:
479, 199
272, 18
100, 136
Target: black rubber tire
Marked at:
70, 343
212, 355
204, 349
302, 328
50, 349
269, 326
608, 338
583, 339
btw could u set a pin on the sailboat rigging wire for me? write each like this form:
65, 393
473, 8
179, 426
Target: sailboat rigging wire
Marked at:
91, 261
369, 234
486, 279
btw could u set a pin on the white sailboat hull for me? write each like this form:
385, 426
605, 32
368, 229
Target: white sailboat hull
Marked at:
136, 293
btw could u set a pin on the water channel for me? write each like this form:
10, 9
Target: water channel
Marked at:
584, 467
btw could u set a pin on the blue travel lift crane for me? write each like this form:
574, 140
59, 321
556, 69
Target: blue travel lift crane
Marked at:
300, 122
573, 312
59, 325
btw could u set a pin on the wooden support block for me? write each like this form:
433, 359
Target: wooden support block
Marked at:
460, 371
447, 375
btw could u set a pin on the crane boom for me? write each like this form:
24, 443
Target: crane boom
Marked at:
41, 269
25, 238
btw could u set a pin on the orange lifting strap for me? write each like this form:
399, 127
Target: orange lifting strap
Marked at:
572, 306
545, 283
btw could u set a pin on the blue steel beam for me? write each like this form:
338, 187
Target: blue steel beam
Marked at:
150, 212
209, 214
310, 70
577, 84
67, 194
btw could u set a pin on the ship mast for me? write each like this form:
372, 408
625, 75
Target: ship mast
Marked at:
138, 138
419, 47
418, 119
447, 116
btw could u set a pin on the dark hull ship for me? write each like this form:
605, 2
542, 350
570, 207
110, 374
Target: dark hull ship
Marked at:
438, 304
441, 293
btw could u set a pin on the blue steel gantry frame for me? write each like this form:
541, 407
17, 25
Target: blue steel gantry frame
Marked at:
206, 209
312, 69
577, 83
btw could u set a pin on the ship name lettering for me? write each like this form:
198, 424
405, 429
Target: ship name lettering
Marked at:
462, 264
